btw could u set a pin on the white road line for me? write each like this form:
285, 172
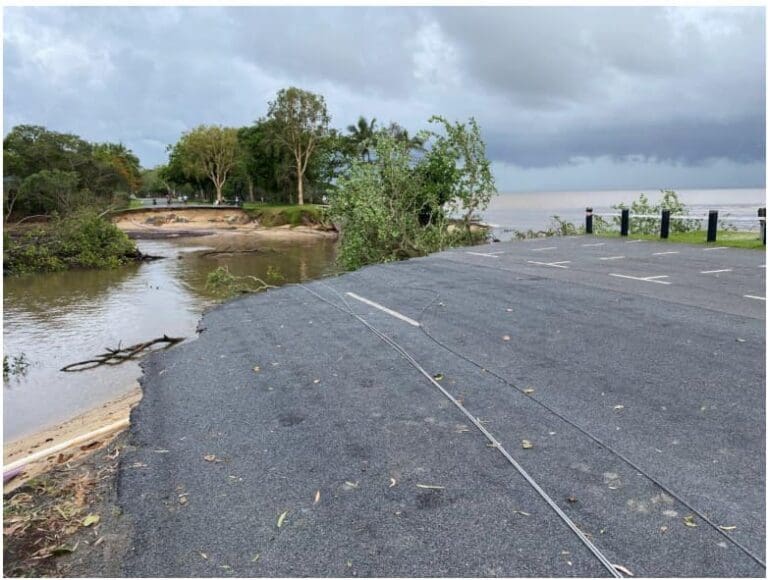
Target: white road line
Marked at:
481, 254
716, 271
646, 279
592, 245
761, 266
612, 258
664, 253
716, 248
383, 309
755, 297
633, 241
542, 249
496, 252
551, 264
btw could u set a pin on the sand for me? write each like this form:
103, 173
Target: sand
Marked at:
111, 416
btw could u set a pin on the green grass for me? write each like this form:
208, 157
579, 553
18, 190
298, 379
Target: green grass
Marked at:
749, 240
135, 204
270, 215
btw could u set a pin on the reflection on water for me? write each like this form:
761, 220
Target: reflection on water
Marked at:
60, 318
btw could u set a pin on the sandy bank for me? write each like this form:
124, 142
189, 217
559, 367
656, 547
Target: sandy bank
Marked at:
110, 417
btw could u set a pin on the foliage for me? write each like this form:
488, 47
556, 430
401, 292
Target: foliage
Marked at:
82, 240
221, 281
209, 152
473, 183
281, 215
301, 119
642, 206
392, 207
362, 136
15, 366
46, 171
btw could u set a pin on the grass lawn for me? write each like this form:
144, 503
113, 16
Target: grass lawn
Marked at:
135, 204
279, 215
750, 240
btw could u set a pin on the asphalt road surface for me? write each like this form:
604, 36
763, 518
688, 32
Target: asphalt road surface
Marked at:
299, 436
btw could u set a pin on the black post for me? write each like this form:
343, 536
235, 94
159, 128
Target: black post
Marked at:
665, 224
589, 220
761, 217
712, 226
625, 222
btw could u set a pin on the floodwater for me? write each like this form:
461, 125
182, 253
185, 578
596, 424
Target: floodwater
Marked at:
65, 317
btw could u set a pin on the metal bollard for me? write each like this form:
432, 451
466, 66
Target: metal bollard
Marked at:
625, 222
712, 226
761, 217
665, 224
589, 220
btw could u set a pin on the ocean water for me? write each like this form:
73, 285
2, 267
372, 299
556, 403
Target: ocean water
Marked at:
534, 211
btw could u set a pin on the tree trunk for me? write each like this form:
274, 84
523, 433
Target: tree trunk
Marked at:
250, 190
218, 194
301, 189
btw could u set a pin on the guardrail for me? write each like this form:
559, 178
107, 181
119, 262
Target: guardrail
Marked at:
666, 216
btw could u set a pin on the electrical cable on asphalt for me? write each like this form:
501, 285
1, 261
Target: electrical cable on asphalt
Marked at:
496, 444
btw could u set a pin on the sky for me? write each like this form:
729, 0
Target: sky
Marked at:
567, 98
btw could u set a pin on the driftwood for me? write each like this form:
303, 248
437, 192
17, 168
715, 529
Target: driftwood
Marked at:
119, 355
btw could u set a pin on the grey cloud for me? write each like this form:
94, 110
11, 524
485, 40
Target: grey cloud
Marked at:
548, 85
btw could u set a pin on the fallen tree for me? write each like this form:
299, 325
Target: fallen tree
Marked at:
120, 355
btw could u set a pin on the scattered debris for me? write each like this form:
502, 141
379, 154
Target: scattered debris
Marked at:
91, 519
392, 482
203, 555
727, 528
527, 444
351, 485
426, 486
506, 337
256, 558
688, 521
256, 369
211, 458
116, 356
618, 407
528, 391
281, 519
623, 570
571, 499
438, 376
317, 496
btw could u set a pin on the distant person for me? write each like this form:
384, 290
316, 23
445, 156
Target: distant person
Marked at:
154, 201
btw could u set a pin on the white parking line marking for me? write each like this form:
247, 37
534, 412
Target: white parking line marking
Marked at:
542, 249
383, 309
496, 252
717, 248
761, 266
664, 253
481, 254
613, 258
755, 297
633, 241
592, 245
716, 271
646, 279
551, 264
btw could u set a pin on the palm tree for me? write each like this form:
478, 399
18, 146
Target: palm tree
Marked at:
401, 134
363, 135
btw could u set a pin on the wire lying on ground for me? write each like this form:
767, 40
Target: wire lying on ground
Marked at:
602, 558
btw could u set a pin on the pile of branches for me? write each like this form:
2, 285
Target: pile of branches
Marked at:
120, 355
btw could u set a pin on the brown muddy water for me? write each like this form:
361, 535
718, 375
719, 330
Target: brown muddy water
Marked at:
60, 318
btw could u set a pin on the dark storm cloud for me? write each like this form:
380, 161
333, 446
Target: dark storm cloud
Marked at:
549, 86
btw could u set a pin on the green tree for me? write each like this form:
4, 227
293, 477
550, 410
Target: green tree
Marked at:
474, 185
302, 120
208, 152
57, 191
362, 136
